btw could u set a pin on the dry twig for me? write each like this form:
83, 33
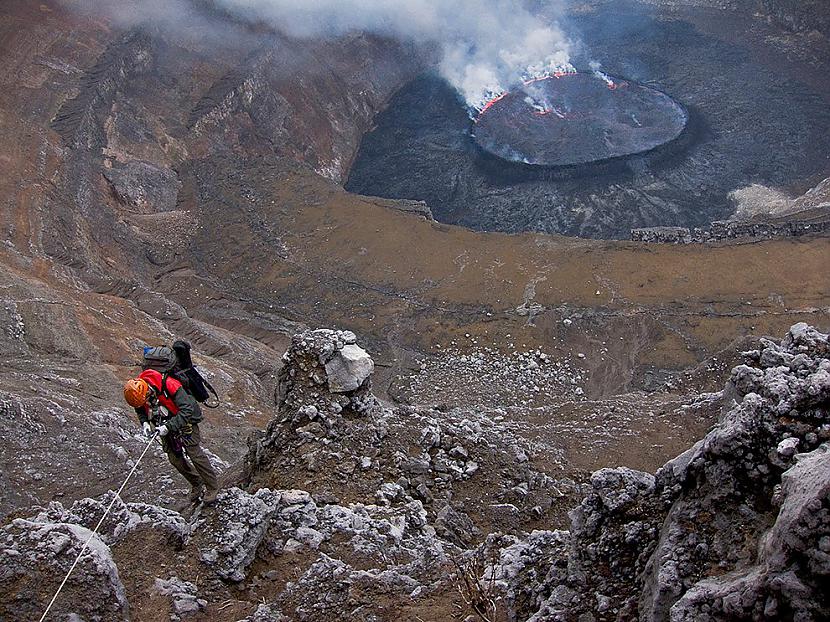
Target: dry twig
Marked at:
477, 590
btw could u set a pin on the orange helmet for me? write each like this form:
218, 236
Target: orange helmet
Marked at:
136, 391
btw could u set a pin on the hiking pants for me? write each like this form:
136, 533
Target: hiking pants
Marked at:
198, 470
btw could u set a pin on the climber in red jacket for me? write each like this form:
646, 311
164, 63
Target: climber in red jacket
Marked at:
175, 415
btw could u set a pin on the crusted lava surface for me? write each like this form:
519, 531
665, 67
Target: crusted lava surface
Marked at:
577, 118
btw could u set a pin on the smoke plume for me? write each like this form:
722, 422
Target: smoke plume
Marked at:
486, 45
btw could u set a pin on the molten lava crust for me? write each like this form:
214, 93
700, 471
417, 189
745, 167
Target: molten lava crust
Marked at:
577, 118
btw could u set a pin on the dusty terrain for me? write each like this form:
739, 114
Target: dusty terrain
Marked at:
160, 184
347, 507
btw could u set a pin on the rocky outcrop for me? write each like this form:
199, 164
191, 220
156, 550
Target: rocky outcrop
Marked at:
736, 528
122, 519
36, 554
323, 391
334, 438
143, 186
731, 230
790, 578
184, 599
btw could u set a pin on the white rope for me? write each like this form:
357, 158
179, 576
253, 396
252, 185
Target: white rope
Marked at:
97, 527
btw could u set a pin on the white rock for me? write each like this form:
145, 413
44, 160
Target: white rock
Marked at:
294, 497
787, 447
308, 536
348, 369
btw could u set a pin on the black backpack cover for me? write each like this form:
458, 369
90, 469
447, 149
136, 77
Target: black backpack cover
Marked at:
175, 361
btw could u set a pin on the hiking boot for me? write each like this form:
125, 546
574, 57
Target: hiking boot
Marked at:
196, 493
210, 497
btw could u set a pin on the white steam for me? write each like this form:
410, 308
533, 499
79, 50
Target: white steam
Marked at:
486, 45
597, 69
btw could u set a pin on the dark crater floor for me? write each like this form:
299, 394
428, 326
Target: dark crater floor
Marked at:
747, 123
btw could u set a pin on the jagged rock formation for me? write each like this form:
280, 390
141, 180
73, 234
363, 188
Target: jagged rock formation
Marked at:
35, 554
731, 230
736, 528
347, 505
335, 439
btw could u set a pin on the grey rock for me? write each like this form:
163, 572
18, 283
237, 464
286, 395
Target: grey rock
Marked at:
729, 230
456, 527
183, 595
265, 613
694, 542
238, 525
788, 447
35, 555
143, 186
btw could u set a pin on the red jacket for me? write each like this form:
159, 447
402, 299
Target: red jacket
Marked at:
153, 378
182, 408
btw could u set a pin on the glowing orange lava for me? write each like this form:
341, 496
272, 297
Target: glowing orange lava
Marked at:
492, 102
498, 98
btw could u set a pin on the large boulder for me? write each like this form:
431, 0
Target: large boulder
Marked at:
235, 530
348, 368
34, 558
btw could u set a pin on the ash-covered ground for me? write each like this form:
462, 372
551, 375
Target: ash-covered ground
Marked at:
756, 117
351, 509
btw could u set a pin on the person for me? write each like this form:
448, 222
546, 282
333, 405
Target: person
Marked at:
176, 420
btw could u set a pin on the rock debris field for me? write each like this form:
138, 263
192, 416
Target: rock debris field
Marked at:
485, 376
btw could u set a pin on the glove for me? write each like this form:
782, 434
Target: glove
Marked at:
147, 428
162, 430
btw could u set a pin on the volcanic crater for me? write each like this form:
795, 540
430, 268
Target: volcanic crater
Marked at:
696, 114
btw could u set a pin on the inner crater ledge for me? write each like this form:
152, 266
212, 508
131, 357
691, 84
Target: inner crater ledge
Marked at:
578, 118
